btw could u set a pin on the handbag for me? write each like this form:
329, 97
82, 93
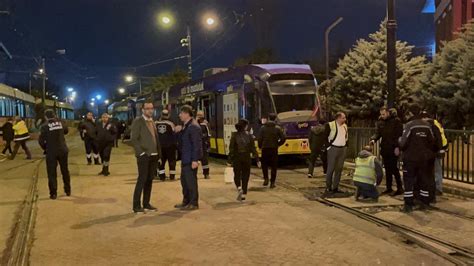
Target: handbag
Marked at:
228, 175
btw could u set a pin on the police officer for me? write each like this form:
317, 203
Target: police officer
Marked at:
106, 133
420, 145
206, 135
168, 141
88, 132
270, 138
53, 143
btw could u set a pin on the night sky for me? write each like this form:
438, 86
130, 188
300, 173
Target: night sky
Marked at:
106, 39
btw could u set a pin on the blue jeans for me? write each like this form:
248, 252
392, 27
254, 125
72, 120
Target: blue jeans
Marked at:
190, 185
366, 190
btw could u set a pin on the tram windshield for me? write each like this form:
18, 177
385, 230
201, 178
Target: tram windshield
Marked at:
293, 95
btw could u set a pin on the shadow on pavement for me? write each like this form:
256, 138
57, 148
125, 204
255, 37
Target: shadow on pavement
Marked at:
158, 218
104, 220
84, 200
232, 205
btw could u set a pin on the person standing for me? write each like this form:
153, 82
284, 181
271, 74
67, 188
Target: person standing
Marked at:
242, 146
419, 145
336, 133
21, 137
368, 175
317, 143
206, 144
389, 129
190, 146
106, 136
270, 138
52, 141
167, 135
148, 152
438, 169
8, 135
88, 132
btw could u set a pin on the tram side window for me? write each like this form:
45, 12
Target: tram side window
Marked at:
250, 106
265, 100
7, 106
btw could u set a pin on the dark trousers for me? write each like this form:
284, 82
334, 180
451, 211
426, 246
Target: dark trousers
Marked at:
336, 157
417, 174
312, 159
270, 159
205, 162
23, 145
91, 147
8, 146
390, 163
366, 190
146, 173
242, 164
189, 184
105, 152
52, 161
169, 155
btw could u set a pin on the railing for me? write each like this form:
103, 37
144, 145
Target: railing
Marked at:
458, 163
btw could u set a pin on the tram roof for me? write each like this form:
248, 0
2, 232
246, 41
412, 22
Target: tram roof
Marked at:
6, 90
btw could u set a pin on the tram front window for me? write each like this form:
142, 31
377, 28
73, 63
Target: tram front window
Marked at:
293, 95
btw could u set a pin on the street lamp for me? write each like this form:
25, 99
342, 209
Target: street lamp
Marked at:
92, 99
129, 78
391, 54
121, 90
107, 101
70, 89
92, 104
326, 41
98, 97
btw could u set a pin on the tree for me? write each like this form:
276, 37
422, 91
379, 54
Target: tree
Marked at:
168, 80
446, 87
259, 56
359, 83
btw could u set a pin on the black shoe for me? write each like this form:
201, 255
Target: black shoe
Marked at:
105, 171
190, 207
68, 193
336, 191
272, 185
407, 209
265, 183
181, 205
53, 196
397, 192
369, 200
139, 210
387, 191
424, 206
101, 172
206, 177
96, 162
172, 178
89, 162
150, 208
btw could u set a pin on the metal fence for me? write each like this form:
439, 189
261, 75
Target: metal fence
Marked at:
458, 163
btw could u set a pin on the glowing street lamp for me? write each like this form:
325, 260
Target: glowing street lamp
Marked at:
92, 99
107, 101
98, 96
129, 78
70, 89
210, 21
92, 103
121, 90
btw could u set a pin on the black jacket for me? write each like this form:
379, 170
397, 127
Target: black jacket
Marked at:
87, 130
317, 138
166, 133
271, 136
419, 141
241, 144
8, 132
390, 131
190, 143
52, 139
206, 135
106, 134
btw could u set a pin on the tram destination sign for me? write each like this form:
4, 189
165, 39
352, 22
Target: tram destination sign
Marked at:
192, 89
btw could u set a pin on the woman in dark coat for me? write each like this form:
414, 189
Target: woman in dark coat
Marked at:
242, 145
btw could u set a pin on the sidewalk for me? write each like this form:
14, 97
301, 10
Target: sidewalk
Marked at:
96, 226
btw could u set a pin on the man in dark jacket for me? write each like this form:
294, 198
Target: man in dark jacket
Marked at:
88, 132
390, 129
420, 145
166, 132
8, 135
190, 145
148, 152
317, 141
270, 138
53, 143
106, 135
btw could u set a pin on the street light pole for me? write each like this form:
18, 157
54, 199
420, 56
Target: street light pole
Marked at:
326, 42
190, 62
43, 66
391, 54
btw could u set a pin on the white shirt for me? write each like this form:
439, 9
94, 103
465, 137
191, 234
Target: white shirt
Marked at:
340, 140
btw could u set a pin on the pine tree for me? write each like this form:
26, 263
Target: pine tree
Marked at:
359, 83
447, 85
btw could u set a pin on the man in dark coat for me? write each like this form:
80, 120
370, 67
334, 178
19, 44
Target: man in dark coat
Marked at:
270, 138
317, 141
190, 145
52, 141
389, 129
8, 135
106, 134
88, 132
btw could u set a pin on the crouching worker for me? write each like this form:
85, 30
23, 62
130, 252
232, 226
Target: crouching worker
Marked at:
368, 174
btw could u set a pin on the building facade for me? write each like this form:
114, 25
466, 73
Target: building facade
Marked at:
449, 17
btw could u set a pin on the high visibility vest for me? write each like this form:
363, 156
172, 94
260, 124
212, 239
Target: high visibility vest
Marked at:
333, 133
365, 170
441, 130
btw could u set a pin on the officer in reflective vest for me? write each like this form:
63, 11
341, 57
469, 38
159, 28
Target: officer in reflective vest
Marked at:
336, 133
438, 170
169, 145
367, 175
